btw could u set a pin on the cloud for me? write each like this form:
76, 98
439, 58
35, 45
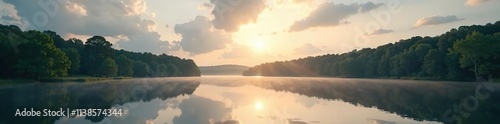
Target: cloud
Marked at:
381, 31
436, 20
297, 2
145, 41
205, 6
378, 121
231, 14
307, 102
228, 122
238, 51
369, 6
475, 2
198, 36
9, 18
291, 121
76, 8
199, 110
306, 49
109, 18
330, 14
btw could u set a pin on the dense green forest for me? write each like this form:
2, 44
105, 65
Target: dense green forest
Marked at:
35, 55
465, 54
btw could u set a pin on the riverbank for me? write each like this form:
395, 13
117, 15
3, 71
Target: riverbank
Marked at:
61, 79
393, 78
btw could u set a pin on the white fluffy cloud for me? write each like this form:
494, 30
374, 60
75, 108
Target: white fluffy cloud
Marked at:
199, 36
144, 42
205, 6
330, 14
231, 14
436, 20
109, 18
8, 15
306, 49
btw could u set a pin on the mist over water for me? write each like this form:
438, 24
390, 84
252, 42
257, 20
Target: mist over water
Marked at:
254, 100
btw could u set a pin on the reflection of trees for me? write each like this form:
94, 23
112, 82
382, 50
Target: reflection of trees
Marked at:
84, 96
416, 100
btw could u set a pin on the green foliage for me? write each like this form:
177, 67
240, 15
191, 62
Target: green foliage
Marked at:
47, 55
40, 58
96, 50
475, 50
173, 70
141, 69
7, 57
125, 67
434, 63
416, 57
160, 65
108, 68
74, 57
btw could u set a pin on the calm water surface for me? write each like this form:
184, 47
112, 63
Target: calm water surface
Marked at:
258, 100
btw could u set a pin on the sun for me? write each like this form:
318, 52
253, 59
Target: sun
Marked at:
259, 45
258, 105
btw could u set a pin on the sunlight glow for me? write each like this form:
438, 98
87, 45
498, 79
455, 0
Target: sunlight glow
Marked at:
259, 45
258, 105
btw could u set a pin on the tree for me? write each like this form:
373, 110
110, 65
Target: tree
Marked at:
108, 68
74, 57
45, 54
99, 46
173, 70
77, 44
58, 40
371, 68
141, 69
125, 66
7, 57
421, 51
408, 63
39, 58
96, 50
162, 70
474, 50
434, 63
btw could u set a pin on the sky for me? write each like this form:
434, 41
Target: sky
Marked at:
247, 32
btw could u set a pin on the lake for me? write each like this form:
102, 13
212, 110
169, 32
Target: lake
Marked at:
255, 100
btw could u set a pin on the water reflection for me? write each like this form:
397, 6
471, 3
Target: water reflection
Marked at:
419, 100
102, 95
236, 100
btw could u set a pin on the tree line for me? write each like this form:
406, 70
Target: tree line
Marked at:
467, 53
35, 55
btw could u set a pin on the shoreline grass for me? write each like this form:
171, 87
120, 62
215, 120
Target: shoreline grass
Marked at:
81, 79
16, 81
60, 79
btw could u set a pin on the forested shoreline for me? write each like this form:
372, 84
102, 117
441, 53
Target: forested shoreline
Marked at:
464, 54
41, 55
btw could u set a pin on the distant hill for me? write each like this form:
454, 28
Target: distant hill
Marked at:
223, 70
